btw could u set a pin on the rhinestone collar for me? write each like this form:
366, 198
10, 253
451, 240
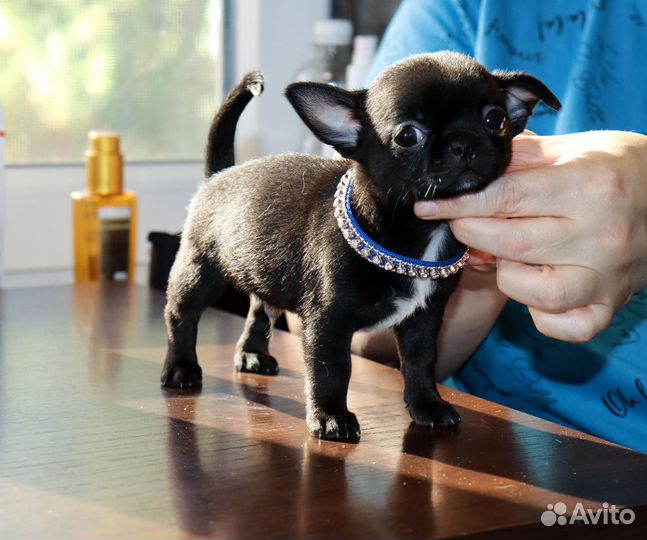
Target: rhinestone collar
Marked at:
362, 244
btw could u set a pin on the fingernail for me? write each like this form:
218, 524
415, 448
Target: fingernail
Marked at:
425, 209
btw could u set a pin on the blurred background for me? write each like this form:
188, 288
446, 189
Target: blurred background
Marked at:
153, 71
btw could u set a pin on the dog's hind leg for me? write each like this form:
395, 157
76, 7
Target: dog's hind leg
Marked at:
252, 352
193, 286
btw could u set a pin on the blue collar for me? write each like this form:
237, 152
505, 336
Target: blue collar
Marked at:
370, 250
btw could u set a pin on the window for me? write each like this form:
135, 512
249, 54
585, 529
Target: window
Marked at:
151, 70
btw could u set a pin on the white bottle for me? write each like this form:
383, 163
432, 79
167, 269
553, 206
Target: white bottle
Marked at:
332, 39
364, 47
2, 192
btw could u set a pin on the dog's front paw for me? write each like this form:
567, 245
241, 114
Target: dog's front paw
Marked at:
334, 426
434, 414
256, 363
182, 375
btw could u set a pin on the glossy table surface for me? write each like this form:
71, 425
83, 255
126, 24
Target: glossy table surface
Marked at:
91, 447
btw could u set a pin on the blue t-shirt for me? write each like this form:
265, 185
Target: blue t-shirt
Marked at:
593, 55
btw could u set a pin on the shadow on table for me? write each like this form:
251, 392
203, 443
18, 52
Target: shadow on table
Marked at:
226, 486
556, 462
552, 461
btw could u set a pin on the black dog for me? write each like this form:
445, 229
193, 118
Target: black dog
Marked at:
281, 229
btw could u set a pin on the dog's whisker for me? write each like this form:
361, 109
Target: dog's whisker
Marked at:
402, 199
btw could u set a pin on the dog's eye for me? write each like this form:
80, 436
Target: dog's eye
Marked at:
408, 135
494, 117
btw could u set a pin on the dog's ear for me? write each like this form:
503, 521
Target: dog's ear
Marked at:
333, 114
522, 93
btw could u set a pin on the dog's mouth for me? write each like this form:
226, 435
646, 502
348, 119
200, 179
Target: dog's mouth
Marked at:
446, 186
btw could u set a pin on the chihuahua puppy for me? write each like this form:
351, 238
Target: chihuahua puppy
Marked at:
336, 240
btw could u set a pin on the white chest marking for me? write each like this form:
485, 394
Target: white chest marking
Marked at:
421, 289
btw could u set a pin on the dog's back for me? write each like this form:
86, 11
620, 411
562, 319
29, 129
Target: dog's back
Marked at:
240, 211
233, 211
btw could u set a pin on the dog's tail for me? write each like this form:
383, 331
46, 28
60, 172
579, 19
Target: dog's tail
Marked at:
220, 144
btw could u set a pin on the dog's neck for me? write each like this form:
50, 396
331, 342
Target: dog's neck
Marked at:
392, 224
375, 207
377, 254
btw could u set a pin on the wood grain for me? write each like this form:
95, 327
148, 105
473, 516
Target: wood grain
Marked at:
90, 446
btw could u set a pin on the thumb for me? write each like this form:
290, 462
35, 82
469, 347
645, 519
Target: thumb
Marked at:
530, 151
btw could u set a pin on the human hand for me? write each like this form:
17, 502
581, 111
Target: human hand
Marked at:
568, 227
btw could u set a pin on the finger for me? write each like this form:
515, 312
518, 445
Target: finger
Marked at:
528, 240
478, 258
532, 192
529, 152
513, 194
548, 289
577, 325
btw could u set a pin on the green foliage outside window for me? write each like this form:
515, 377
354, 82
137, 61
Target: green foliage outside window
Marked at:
150, 69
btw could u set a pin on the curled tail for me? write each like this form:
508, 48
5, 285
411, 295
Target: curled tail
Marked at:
220, 144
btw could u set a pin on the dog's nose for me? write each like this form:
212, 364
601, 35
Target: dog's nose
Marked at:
462, 150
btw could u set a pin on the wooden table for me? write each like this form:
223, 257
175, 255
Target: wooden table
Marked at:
91, 447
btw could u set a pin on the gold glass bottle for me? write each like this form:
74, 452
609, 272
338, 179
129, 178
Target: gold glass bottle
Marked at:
105, 217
